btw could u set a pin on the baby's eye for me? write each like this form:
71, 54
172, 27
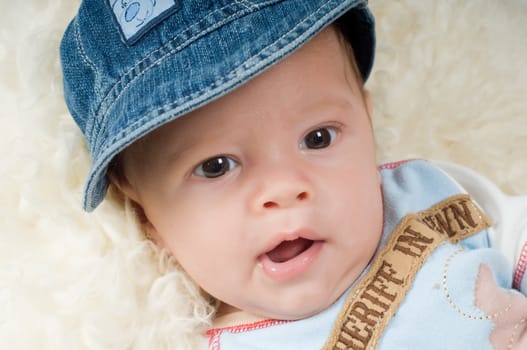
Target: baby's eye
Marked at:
319, 138
215, 167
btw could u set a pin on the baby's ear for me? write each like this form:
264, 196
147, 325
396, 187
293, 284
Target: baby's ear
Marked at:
120, 181
148, 229
130, 196
117, 177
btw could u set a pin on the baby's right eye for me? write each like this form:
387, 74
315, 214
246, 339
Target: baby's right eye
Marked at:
215, 167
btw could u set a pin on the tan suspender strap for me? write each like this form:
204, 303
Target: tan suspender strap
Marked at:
374, 300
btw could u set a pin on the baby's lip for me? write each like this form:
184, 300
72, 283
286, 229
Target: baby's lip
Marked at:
290, 236
290, 254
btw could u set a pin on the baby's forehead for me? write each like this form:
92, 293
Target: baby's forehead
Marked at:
300, 83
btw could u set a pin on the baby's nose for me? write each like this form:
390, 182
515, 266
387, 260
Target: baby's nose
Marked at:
282, 189
285, 199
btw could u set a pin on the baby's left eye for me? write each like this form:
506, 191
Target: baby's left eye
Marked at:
319, 138
215, 167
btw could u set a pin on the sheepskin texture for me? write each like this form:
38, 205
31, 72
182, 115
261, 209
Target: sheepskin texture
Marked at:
449, 83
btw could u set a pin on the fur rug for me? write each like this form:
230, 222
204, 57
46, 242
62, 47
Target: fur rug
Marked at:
449, 83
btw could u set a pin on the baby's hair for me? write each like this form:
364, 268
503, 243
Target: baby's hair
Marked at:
343, 34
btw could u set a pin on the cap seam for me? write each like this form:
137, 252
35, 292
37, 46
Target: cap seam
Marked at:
94, 123
132, 68
248, 5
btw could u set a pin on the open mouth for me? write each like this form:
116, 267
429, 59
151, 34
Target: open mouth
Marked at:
290, 258
288, 250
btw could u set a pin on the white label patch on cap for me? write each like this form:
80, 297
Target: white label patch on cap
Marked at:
137, 17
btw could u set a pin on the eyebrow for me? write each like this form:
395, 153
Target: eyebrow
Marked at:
182, 150
334, 104
179, 152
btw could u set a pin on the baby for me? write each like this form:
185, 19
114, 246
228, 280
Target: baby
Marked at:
241, 133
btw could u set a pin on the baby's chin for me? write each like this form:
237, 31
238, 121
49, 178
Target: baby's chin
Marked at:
295, 301
291, 313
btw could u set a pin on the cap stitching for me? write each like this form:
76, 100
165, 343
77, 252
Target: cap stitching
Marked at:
253, 6
248, 6
94, 124
171, 40
82, 52
149, 55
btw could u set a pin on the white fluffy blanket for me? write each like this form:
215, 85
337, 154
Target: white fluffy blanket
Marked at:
450, 82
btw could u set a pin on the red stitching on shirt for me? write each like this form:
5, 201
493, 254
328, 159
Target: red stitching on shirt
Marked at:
215, 333
214, 340
520, 268
397, 164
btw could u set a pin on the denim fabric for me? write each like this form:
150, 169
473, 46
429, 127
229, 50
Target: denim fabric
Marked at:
123, 78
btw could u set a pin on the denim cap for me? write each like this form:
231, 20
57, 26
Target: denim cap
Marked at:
132, 66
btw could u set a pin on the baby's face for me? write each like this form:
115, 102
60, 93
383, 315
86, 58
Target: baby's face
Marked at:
269, 197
